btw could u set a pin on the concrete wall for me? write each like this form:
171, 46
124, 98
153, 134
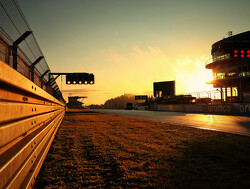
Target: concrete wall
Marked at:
230, 109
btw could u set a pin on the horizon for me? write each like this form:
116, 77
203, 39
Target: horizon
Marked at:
128, 45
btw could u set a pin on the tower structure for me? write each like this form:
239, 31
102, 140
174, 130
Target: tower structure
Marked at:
230, 64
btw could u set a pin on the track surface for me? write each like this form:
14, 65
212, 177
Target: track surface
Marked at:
226, 123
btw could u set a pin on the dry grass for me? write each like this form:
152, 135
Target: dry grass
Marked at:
93, 150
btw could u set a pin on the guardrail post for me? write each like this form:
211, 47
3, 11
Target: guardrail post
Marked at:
41, 78
15, 46
32, 67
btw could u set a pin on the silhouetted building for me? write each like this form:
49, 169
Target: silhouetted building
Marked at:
230, 64
164, 93
74, 102
164, 88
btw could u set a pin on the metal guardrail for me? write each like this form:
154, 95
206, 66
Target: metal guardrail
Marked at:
31, 109
29, 119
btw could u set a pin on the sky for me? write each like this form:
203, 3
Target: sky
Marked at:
129, 44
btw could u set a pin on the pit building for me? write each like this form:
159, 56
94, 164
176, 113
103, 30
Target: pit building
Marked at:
230, 64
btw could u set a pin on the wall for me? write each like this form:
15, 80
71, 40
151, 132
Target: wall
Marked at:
230, 109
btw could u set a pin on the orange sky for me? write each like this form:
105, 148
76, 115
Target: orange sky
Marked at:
130, 44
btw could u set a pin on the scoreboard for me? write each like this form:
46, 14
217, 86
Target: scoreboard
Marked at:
241, 53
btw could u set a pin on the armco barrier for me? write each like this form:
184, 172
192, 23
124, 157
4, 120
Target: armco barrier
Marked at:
226, 108
29, 119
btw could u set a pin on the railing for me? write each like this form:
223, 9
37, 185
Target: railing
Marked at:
31, 109
20, 51
209, 61
218, 58
29, 120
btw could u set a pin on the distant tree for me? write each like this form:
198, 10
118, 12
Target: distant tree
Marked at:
120, 101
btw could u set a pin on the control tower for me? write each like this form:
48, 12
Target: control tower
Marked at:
230, 64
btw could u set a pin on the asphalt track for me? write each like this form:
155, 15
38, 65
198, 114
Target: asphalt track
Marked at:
225, 123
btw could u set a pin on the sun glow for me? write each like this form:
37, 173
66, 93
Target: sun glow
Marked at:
192, 77
198, 84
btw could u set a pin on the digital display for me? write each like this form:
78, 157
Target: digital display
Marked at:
241, 53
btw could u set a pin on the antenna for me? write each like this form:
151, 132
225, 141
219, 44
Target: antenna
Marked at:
229, 33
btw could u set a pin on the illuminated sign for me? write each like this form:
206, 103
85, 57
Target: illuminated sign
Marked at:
242, 53
80, 78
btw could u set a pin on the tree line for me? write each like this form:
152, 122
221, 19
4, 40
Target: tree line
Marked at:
120, 101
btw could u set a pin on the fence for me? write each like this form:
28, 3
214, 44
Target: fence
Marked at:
21, 51
31, 108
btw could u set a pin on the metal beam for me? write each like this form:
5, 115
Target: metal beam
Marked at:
56, 88
15, 46
21, 38
54, 79
37, 61
44, 74
32, 67
50, 83
41, 78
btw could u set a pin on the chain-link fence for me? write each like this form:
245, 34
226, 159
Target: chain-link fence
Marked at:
13, 26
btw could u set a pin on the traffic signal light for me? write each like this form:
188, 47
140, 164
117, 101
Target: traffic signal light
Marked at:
75, 78
79, 78
72, 78
91, 79
85, 78
69, 78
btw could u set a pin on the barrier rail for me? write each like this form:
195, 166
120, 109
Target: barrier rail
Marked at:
225, 108
29, 119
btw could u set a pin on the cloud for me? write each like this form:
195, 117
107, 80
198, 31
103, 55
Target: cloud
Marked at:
136, 70
191, 75
113, 57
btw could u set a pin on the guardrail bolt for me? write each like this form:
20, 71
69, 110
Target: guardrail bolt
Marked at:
25, 99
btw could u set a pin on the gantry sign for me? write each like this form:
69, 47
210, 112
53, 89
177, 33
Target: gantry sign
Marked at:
80, 78
75, 78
